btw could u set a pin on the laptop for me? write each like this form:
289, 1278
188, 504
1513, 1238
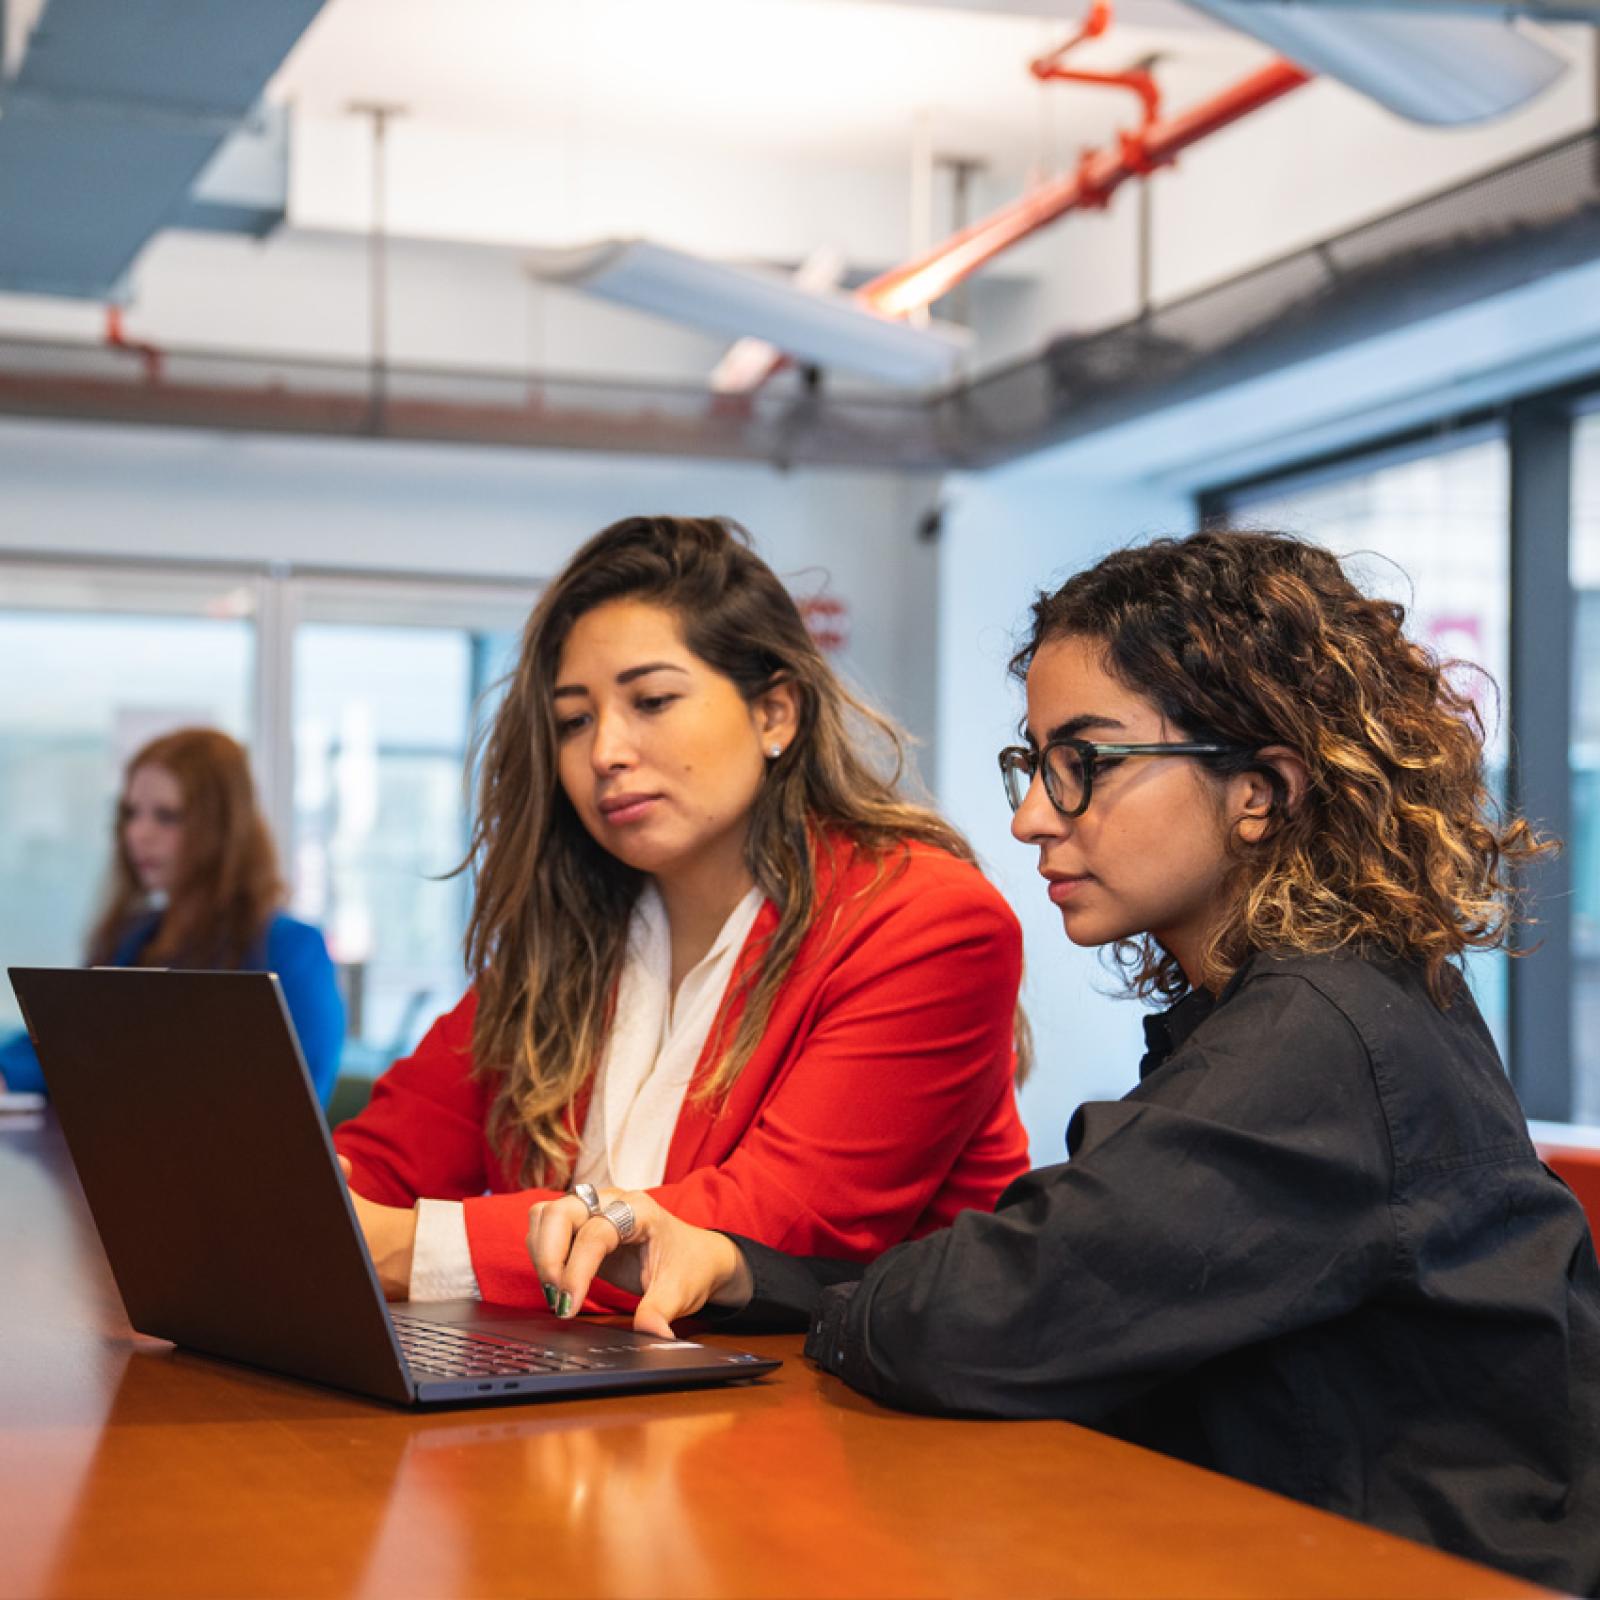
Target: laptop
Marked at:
211, 1177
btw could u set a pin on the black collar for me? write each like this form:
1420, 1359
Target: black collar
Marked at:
1166, 1031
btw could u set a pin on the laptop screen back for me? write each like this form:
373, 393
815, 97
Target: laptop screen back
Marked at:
208, 1169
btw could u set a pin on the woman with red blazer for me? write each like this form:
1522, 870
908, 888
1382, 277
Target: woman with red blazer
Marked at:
715, 954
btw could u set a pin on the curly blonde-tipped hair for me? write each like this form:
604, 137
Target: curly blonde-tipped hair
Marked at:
549, 925
1253, 639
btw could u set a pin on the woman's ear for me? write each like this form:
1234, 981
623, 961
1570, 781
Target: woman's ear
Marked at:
1263, 797
776, 713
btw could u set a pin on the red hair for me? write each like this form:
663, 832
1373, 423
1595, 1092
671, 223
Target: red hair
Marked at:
226, 887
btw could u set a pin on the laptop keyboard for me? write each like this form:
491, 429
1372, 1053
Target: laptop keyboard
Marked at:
456, 1353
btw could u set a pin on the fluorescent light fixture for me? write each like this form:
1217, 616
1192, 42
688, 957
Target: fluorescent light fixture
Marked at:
819, 328
749, 361
1433, 69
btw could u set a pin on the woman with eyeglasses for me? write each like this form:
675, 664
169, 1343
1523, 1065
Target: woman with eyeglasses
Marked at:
1313, 1248
716, 954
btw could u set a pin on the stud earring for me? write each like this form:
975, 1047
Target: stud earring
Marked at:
774, 752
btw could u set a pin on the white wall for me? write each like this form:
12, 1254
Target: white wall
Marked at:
82, 490
1006, 536
309, 295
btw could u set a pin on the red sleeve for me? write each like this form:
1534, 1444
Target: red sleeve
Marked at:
906, 1055
422, 1133
423, 1137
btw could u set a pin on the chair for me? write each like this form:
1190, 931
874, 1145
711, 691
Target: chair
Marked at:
361, 1063
351, 1091
1579, 1169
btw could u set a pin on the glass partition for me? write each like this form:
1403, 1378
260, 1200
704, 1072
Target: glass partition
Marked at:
391, 684
97, 661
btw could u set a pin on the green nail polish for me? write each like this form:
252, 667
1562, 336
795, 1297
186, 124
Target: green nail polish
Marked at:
564, 1305
549, 1295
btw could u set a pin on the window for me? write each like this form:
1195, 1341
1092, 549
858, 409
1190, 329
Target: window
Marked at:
386, 710
110, 659
1430, 529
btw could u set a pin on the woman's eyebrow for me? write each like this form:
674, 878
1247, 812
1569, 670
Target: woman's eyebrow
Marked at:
650, 666
1073, 726
626, 676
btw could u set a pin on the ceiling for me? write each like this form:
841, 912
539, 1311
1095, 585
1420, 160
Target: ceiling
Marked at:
741, 130
855, 80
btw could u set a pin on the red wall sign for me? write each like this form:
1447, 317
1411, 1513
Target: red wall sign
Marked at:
827, 620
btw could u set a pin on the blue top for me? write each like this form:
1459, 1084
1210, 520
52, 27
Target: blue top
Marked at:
294, 950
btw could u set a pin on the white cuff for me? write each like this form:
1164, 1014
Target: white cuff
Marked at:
441, 1259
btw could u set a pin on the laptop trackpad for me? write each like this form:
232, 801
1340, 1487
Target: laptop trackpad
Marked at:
518, 1322
511, 1322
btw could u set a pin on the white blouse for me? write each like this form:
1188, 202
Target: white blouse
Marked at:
655, 1043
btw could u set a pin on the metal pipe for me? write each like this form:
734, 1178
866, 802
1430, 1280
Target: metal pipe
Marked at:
1097, 177
380, 116
118, 340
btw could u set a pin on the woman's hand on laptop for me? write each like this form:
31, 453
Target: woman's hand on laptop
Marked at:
391, 1235
676, 1267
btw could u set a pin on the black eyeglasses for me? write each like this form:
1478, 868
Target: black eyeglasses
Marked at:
1069, 766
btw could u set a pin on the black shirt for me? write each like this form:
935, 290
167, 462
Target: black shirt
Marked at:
1313, 1249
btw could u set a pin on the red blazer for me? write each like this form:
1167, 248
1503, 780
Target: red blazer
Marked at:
878, 1104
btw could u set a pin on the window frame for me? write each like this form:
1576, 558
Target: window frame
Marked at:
1538, 431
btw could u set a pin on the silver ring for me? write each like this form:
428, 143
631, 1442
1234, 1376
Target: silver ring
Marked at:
590, 1196
620, 1215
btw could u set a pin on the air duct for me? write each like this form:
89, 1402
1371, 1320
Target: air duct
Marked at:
1442, 70
122, 106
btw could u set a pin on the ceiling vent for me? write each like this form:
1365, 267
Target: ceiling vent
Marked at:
1440, 70
111, 111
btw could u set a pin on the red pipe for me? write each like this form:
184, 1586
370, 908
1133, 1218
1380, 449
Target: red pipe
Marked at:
1048, 68
1095, 22
1099, 174
1135, 79
118, 340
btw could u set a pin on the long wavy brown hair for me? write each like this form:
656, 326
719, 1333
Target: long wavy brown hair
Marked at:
226, 887
549, 925
1252, 639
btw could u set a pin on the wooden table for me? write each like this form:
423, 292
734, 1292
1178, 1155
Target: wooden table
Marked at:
130, 1469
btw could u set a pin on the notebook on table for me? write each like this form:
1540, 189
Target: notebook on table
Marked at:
211, 1177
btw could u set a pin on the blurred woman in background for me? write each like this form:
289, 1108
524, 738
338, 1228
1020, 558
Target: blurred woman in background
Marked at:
194, 884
